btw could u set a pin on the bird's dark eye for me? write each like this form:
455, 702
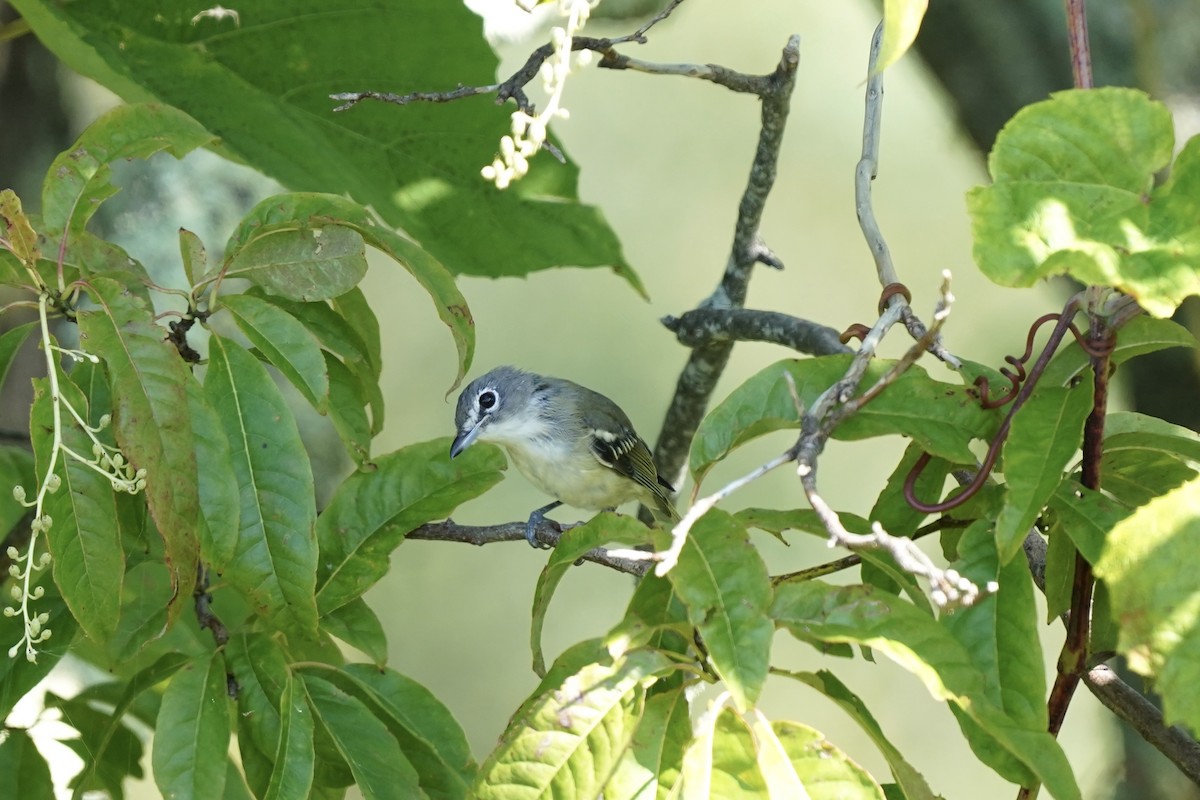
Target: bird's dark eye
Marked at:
487, 399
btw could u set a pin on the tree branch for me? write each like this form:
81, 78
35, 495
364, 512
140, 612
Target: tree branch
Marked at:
699, 377
706, 326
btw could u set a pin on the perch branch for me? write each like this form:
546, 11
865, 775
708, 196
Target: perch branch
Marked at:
706, 326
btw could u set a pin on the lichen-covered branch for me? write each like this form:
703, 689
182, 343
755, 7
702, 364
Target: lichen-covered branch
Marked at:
707, 326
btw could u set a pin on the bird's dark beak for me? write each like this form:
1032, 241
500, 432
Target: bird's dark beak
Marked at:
465, 439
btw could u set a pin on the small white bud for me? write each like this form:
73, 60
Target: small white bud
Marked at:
12, 553
104, 421
53, 483
15, 591
19, 493
43, 562
507, 147
37, 593
10, 612
583, 58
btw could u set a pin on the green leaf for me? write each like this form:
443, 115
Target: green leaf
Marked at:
601, 529
162, 669
195, 259
356, 625
859, 615
16, 469
571, 740
1000, 631
826, 772
322, 209
85, 539
372, 511
1129, 430
260, 668
16, 229
192, 733
220, 498
429, 736
1137, 337
299, 261
649, 769
25, 771
79, 179
1086, 517
940, 417
292, 775
891, 510
655, 617
286, 343
417, 166
346, 410
723, 582
10, 343
1145, 457
150, 419
721, 761
910, 781
275, 561
1045, 435
1147, 564
379, 767
1073, 194
901, 22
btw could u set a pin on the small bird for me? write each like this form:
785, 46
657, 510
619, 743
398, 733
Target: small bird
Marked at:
574, 444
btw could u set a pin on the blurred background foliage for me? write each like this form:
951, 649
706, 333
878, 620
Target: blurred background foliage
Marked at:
665, 159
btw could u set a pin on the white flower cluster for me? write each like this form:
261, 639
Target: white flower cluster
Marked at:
529, 131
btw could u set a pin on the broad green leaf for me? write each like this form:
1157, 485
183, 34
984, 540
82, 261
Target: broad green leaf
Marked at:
150, 419
195, 259
25, 771
299, 260
655, 617
429, 736
16, 469
571, 740
1130, 430
1147, 564
220, 498
777, 764
79, 179
826, 772
372, 511
1086, 517
891, 510
88, 255
85, 539
1135, 476
161, 670
418, 166
118, 762
10, 342
346, 410
1073, 194
600, 530
326, 209
940, 417
723, 582
286, 343
649, 769
17, 231
1000, 631
569, 662
294, 758
275, 561
379, 767
910, 781
721, 761
356, 625
901, 22
192, 733
1046, 433
260, 668
1137, 337
859, 615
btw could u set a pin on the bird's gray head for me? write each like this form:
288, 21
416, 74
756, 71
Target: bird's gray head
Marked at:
491, 405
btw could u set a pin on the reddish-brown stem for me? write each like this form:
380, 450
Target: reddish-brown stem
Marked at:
1072, 662
989, 460
1077, 39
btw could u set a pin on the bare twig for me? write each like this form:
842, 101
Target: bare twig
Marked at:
705, 326
548, 532
866, 172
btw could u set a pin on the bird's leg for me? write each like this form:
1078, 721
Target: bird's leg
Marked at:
535, 519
